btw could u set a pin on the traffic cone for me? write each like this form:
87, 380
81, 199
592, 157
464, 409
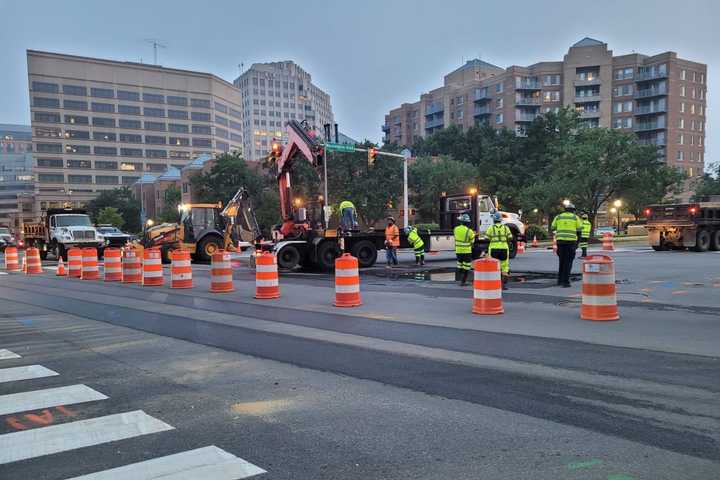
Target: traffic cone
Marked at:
520, 247
61, 268
24, 263
534, 242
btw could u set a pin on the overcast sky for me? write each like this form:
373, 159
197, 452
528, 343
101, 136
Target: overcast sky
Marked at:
369, 55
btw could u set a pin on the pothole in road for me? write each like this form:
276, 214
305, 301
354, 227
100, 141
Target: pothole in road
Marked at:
447, 275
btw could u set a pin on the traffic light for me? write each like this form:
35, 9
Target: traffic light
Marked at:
372, 154
276, 149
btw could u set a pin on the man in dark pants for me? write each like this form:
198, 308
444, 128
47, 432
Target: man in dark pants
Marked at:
568, 229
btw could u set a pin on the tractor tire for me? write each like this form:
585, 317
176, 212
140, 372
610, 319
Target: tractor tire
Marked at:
207, 247
366, 253
702, 241
715, 243
288, 257
327, 252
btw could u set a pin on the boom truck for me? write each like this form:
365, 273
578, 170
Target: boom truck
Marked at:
685, 225
312, 244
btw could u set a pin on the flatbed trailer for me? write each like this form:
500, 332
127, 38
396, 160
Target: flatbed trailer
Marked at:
686, 225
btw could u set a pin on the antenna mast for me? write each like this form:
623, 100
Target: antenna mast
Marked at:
155, 43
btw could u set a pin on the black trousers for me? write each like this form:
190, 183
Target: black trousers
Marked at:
566, 255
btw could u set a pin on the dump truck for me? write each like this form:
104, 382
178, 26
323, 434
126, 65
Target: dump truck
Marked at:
695, 225
61, 229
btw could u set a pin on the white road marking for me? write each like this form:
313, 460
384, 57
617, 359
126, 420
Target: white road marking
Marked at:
207, 462
49, 397
37, 442
25, 373
7, 354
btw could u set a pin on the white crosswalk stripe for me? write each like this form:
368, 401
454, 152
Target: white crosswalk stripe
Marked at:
25, 373
7, 354
37, 442
49, 397
208, 462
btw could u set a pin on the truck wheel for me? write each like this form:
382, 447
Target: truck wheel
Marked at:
165, 256
365, 252
513, 248
207, 247
715, 243
288, 257
659, 248
43, 254
702, 241
327, 252
60, 252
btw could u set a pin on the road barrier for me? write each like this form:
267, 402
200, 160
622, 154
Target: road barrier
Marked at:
607, 244
33, 263
131, 266
152, 268
74, 263
180, 269
554, 245
534, 242
520, 247
221, 280
90, 270
24, 262
267, 281
113, 265
11, 259
599, 299
487, 287
347, 281
60, 268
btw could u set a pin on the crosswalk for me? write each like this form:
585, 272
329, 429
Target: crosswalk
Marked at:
208, 462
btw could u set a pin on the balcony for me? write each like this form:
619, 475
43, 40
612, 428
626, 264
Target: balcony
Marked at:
651, 92
385, 128
434, 108
653, 140
482, 110
530, 101
649, 126
650, 109
650, 75
434, 123
588, 98
527, 85
589, 114
586, 82
525, 117
482, 96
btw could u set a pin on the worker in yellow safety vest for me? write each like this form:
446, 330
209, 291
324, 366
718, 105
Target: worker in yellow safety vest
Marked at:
417, 244
348, 215
568, 230
464, 239
499, 248
585, 236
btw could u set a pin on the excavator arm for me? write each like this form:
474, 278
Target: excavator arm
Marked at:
239, 216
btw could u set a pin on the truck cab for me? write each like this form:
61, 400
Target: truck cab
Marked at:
62, 229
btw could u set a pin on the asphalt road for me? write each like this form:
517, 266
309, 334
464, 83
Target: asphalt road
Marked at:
97, 376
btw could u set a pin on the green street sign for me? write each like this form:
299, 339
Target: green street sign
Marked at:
339, 147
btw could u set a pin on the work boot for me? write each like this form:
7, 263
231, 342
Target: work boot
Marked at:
464, 278
584, 252
504, 282
422, 261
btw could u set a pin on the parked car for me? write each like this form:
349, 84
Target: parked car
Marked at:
6, 238
114, 237
599, 231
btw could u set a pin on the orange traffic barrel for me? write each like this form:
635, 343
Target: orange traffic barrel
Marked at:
60, 268
113, 265
11, 259
520, 247
33, 263
347, 281
534, 241
131, 266
180, 270
152, 268
487, 287
599, 299
221, 279
90, 270
267, 284
74, 262
607, 244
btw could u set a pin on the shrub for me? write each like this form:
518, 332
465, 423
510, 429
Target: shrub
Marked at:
536, 231
424, 227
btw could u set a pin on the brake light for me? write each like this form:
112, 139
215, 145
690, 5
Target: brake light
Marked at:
693, 210
647, 212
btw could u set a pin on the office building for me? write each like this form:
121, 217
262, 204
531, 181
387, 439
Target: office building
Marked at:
273, 94
662, 98
16, 178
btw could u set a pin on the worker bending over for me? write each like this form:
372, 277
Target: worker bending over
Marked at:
348, 216
416, 243
499, 248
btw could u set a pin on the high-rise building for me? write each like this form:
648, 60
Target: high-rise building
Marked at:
16, 178
662, 98
100, 124
274, 93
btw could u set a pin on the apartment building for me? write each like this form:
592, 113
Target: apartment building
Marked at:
16, 178
274, 93
100, 124
662, 98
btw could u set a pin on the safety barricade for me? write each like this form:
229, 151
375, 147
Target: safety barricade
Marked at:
11, 259
131, 266
60, 272
74, 263
534, 242
113, 264
90, 270
607, 244
152, 268
267, 280
487, 287
347, 281
33, 263
599, 297
520, 247
221, 280
180, 269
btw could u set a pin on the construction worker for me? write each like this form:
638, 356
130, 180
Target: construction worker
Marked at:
348, 215
568, 230
392, 242
416, 243
499, 248
585, 237
464, 239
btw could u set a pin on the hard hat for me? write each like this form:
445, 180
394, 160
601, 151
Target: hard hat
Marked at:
570, 206
407, 229
497, 216
465, 218
585, 216
392, 219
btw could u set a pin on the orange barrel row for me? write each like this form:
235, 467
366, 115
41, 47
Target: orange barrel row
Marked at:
152, 267
221, 279
487, 287
113, 265
347, 281
74, 262
131, 266
267, 284
599, 297
33, 263
12, 264
180, 270
90, 270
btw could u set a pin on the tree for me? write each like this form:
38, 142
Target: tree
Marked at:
708, 184
652, 185
229, 173
110, 216
172, 198
124, 201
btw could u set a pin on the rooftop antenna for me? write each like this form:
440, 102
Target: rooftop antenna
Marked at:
155, 43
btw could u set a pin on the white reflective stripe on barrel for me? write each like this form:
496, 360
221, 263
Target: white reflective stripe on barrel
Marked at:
487, 275
151, 274
347, 288
599, 300
599, 279
112, 269
181, 263
182, 276
132, 271
347, 272
266, 283
487, 294
87, 268
266, 268
221, 278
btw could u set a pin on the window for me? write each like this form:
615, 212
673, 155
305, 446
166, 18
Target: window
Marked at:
76, 90
79, 134
103, 122
499, 88
680, 156
199, 102
221, 132
617, 123
131, 152
105, 165
51, 178
201, 129
235, 113
221, 120
179, 154
76, 120
103, 107
682, 90
130, 138
220, 107
156, 153
692, 93
180, 114
46, 102
499, 103
153, 98
79, 164
50, 162
129, 180
125, 123
178, 128
498, 118
49, 148
683, 74
618, 107
45, 87
551, 80
125, 95
681, 123
236, 125
110, 151
48, 132
682, 107
154, 112
102, 92
238, 138
180, 101
75, 105
628, 106
222, 146
79, 149
627, 122
201, 142
158, 126
80, 179
692, 108
106, 179
180, 141
702, 78
129, 109
46, 117
155, 167
131, 166
200, 116
155, 140
681, 139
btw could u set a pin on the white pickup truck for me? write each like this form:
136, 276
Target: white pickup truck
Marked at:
62, 229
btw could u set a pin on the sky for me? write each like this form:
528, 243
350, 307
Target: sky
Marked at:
369, 55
